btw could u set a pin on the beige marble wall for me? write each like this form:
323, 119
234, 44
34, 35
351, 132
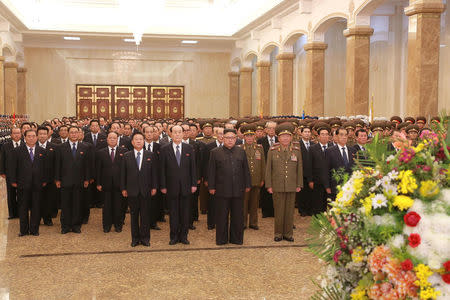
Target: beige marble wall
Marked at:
2, 85
315, 77
10, 69
285, 83
273, 82
300, 76
22, 91
263, 87
234, 93
245, 91
53, 74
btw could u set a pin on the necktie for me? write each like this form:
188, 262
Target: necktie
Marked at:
74, 150
138, 160
31, 154
271, 142
16, 145
324, 148
344, 156
363, 148
178, 155
95, 140
149, 147
112, 154
307, 145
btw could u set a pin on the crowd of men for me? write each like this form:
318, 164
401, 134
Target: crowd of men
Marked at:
227, 169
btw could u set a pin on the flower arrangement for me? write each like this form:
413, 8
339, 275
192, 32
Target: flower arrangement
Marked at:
387, 233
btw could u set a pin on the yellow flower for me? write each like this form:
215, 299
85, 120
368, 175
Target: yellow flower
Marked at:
407, 182
429, 293
357, 185
403, 202
419, 147
359, 294
426, 290
429, 188
358, 254
367, 204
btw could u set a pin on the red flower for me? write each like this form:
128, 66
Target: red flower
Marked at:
414, 240
407, 265
447, 266
446, 278
411, 219
343, 245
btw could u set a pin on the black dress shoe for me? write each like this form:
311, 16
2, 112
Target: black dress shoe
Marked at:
203, 212
76, 230
185, 242
118, 229
236, 243
106, 230
48, 223
291, 239
162, 219
85, 221
254, 227
277, 239
155, 227
23, 234
245, 227
192, 227
64, 231
221, 243
146, 244
10, 218
211, 227
134, 244
35, 233
293, 227
173, 242
99, 206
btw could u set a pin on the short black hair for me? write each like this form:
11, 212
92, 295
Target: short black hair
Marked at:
43, 128
76, 127
225, 131
28, 130
171, 127
323, 128
128, 124
137, 133
114, 133
94, 120
303, 128
341, 128
25, 123
64, 126
360, 131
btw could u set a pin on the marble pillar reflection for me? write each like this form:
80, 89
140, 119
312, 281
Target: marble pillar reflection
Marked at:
315, 76
357, 70
22, 90
234, 94
263, 87
245, 91
10, 69
423, 57
2, 85
285, 83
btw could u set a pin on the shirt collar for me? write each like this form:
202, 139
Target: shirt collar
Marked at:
136, 152
44, 145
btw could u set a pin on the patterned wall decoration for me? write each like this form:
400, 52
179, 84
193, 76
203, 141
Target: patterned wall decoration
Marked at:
123, 101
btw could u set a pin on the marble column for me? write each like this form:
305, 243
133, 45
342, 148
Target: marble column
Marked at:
263, 87
2, 85
315, 78
245, 91
10, 87
285, 83
357, 70
423, 57
22, 91
234, 94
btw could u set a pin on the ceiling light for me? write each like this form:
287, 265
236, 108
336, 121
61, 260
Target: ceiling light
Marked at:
189, 42
72, 38
129, 40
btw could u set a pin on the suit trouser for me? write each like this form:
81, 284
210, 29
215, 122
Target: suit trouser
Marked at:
29, 200
284, 205
13, 205
71, 207
229, 209
266, 203
194, 205
154, 208
251, 199
48, 201
211, 216
112, 209
305, 200
140, 218
180, 212
204, 197
318, 198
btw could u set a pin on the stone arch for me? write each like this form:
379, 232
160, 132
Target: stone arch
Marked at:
291, 38
368, 7
8, 52
325, 23
236, 64
266, 50
249, 56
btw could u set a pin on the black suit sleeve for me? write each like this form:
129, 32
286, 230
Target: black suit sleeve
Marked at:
162, 168
211, 171
14, 165
98, 167
193, 168
154, 171
58, 154
123, 174
2, 159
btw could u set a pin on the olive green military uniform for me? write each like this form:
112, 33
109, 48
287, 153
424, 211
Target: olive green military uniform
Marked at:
284, 174
257, 167
204, 193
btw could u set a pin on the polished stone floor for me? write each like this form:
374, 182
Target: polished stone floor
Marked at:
95, 265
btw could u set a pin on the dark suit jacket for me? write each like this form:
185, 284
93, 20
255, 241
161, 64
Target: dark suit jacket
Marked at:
55, 140
199, 149
319, 166
26, 173
7, 159
108, 172
307, 167
165, 140
136, 181
358, 152
177, 179
206, 153
72, 171
228, 172
125, 142
265, 143
51, 157
336, 162
101, 140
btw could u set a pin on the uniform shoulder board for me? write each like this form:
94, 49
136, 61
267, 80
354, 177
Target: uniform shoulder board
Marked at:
199, 138
275, 146
296, 148
259, 145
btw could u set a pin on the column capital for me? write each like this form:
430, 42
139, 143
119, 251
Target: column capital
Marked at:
359, 31
246, 69
22, 70
263, 63
424, 8
285, 56
11, 64
315, 46
233, 74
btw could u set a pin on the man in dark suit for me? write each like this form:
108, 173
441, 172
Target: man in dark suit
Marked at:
228, 179
304, 197
72, 167
268, 141
108, 163
138, 183
122, 141
218, 143
29, 175
198, 151
49, 192
64, 133
179, 182
52, 139
319, 180
6, 161
339, 157
360, 147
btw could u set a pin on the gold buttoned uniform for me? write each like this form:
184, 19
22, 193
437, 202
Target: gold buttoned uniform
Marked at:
257, 167
284, 174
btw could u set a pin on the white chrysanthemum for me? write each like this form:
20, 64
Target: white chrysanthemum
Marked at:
390, 190
390, 157
385, 181
378, 201
397, 241
439, 284
393, 174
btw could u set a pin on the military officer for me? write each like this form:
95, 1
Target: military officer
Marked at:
284, 177
257, 167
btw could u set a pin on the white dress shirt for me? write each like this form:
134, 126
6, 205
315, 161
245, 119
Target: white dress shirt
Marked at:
16, 143
110, 149
218, 144
44, 145
271, 140
141, 157
175, 148
151, 146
